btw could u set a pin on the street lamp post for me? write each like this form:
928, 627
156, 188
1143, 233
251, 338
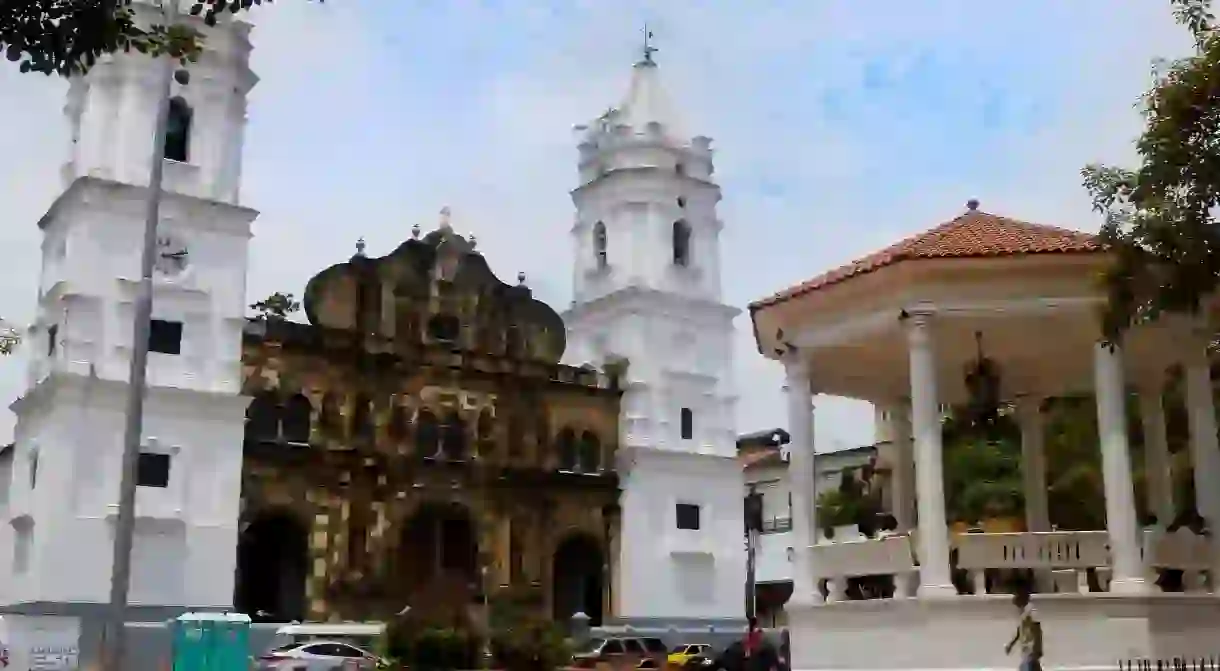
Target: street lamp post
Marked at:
753, 515
114, 637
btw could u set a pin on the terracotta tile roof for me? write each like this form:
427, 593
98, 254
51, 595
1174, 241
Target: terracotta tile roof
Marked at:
758, 457
971, 235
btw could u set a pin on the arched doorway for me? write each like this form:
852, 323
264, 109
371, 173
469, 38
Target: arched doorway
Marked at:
438, 560
577, 579
272, 566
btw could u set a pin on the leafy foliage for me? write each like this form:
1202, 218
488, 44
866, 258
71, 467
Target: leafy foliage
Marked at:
1159, 217
856, 501
276, 306
982, 469
1075, 488
66, 37
9, 338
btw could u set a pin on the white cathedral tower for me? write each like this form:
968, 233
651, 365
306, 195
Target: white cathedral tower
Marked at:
62, 482
647, 289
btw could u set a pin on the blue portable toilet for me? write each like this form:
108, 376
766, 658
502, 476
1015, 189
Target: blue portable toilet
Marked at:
211, 642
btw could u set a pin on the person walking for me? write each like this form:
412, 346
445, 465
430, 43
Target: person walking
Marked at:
1028, 635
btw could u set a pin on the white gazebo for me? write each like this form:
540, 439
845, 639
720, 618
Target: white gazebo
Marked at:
900, 328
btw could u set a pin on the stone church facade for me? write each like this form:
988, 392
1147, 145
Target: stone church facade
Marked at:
418, 444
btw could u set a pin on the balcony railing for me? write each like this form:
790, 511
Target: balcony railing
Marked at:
776, 525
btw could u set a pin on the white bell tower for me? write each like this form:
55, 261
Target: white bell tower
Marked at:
61, 483
647, 289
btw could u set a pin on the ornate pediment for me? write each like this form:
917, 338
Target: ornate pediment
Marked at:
435, 290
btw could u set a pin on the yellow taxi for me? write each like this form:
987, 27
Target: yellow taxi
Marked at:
681, 654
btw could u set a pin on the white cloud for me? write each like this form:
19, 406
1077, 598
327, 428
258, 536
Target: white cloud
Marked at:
371, 116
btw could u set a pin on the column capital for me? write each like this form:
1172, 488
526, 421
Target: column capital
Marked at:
917, 321
1030, 404
795, 365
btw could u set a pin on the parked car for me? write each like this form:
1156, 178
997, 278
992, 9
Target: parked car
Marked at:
621, 653
318, 655
732, 658
681, 653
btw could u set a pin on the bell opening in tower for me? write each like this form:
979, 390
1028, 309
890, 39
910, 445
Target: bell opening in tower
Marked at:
178, 130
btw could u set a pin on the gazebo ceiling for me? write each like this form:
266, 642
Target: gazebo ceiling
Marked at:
1029, 291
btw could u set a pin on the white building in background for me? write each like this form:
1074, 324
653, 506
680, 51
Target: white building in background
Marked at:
61, 496
647, 288
764, 462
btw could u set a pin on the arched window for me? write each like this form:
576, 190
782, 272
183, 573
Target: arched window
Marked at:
590, 453
487, 424
427, 435
599, 245
297, 420
681, 243
178, 130
362, 418
512, 341
263, 419
453, 437
565, 442
329, 419
396, 425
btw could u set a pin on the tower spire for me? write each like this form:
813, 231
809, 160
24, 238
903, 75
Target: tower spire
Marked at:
648, 50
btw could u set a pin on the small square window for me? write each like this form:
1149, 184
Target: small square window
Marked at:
688, 424
165, 337
152, 470
688, 516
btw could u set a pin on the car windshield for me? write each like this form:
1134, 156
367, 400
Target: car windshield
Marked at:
679, 649
286, 647
592, 646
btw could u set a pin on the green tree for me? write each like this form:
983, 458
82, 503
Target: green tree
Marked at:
982, 469
276, 306
65, 37
9, 338
1160, 217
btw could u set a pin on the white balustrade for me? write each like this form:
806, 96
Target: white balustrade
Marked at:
1066, 552
1182, 550
836, 562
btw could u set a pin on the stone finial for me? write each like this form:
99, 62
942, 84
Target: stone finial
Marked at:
474, 242
445, 216
360, 246
415, 231
521, 279
972, 204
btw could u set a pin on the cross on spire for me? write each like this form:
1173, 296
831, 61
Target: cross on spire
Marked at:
649, 50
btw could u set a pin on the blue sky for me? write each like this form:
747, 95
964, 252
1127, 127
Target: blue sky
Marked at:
840, 127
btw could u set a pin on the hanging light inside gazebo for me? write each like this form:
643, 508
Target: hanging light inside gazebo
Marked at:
983, 387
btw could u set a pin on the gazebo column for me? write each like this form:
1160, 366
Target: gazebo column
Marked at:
933, 533
1033, 463
904, 467
802, 480
1127, 571
1156, 454
1204, 446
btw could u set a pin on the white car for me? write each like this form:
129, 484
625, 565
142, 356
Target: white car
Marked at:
318, 656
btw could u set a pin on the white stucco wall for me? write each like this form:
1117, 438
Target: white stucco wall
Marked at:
676, 573
57, 527
186, 533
